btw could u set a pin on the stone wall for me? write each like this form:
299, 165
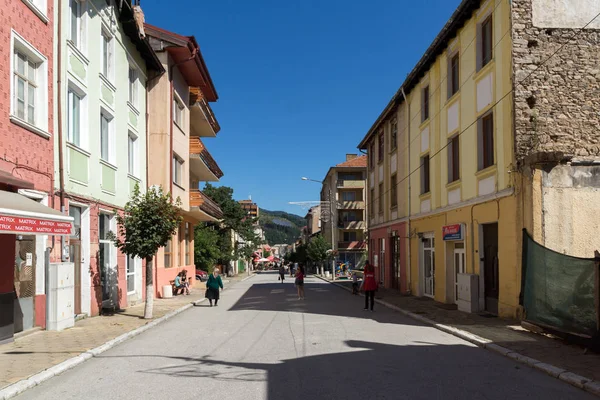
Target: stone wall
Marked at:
557, 107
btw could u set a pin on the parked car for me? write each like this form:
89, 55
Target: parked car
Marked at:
201, 275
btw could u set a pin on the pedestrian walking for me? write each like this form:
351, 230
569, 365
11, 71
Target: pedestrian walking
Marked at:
354, 283
281, 273
213, 284
300, 282
369, 285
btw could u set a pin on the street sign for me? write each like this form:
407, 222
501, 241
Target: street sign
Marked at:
453, 232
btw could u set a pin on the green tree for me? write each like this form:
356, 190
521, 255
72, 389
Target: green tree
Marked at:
317, 249
148, 222
206, 249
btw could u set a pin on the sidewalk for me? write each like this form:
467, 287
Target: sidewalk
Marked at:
501, 332
32, 354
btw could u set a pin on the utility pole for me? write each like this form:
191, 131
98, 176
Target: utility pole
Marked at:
332, 235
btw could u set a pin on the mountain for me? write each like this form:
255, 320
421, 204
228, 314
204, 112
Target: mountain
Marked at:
280, 227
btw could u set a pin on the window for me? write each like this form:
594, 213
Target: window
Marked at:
132, 154
349, 216
485, 47
133, 86
348, 196
75, 212
394, 136
453, 159
39, 8
28, 86
485, 141
372, 155
74, 118
104, 221
105, 140
381, 146
372, 203
107, 56
393, 192
181, 245
177, 111
168, 254
177, 170
381, 196
130, 274
77, 24
425, 174
188, 239
453, 75
350, 237
425, 104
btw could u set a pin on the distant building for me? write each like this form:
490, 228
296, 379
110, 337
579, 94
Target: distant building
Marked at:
250, 207
313, 222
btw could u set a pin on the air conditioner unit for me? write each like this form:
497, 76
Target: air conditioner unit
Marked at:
468, 292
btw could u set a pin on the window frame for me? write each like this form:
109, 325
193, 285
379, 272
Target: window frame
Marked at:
454, 159
453, 74
372, 154
133, 91
393, 134
168, 254
129, 274
394, 191
18, 45
485, 141
39, 8
485, 45
178, 116
79, 17
188, 231
74, 91
381, 146
348, 238
108, 62
425, 103
380, 200
372, 203
177, 170
132, 154
425, 174
110, 118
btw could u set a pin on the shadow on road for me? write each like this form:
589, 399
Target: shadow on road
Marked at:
370, 370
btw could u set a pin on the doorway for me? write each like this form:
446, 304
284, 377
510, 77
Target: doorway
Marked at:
459, 265
490, 267
24, 283
428, 257
75, 254
395, 262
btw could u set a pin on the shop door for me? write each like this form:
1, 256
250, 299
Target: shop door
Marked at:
490, 267
25, 260
395, 262
459, 265
428, 257
75, 254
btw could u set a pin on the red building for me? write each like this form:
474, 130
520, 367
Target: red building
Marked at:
387, 246
28, 216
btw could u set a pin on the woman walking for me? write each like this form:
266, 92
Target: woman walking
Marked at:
300, 282
369, 285
213, 284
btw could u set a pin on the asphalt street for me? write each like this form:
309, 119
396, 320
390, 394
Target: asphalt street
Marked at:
261, 342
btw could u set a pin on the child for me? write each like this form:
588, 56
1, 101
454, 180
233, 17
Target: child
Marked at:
354, 284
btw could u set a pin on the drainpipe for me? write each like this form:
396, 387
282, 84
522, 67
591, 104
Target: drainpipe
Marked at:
408, 270
61, 174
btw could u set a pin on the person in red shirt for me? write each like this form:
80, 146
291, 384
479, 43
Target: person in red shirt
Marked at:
369, 285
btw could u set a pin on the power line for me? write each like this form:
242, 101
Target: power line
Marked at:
493, 105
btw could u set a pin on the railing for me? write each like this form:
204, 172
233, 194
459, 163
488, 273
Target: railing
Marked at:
205, 203
352, 225
345, 183
351, 205
197, 148
356, 245
196, 97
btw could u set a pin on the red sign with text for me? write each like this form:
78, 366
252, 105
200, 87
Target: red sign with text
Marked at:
452, 232
32, 226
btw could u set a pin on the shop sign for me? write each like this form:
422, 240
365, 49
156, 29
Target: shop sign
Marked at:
33, 226
453, 232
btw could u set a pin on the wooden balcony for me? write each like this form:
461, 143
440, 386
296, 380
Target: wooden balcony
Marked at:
204, 203
203, 165
202, 119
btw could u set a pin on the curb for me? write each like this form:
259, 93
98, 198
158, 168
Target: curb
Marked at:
571, 378
34, 380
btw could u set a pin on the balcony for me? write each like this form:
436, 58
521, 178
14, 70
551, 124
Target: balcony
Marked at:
353, 225
351, 205
203, 166
204, 207
350, 184
356, 245
202, 119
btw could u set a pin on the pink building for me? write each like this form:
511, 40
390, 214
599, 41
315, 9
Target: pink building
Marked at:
27, 215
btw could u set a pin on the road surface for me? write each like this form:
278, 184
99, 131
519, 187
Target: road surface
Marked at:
261, 342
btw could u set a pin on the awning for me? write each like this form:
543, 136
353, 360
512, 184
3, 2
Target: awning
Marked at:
22, 216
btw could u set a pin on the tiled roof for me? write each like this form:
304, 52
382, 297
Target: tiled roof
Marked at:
355, 162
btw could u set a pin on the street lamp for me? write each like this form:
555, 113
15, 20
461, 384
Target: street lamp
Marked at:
331, 222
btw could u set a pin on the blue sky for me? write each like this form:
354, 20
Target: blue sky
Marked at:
299, 82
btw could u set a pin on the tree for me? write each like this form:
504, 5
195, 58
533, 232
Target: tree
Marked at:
206, 249
317, 249
149, 221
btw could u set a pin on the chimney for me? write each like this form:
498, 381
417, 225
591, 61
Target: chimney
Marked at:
351, 156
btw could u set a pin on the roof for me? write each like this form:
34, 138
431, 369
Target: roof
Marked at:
127, 17
183, 49
357, 162
461, 15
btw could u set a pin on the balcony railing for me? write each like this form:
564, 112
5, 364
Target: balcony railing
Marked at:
351, 205
352, 225
205, 203
355, 245
197, 149
196, 98
350, 184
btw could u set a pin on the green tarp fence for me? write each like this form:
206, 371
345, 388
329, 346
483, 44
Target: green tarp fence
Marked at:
559, 290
